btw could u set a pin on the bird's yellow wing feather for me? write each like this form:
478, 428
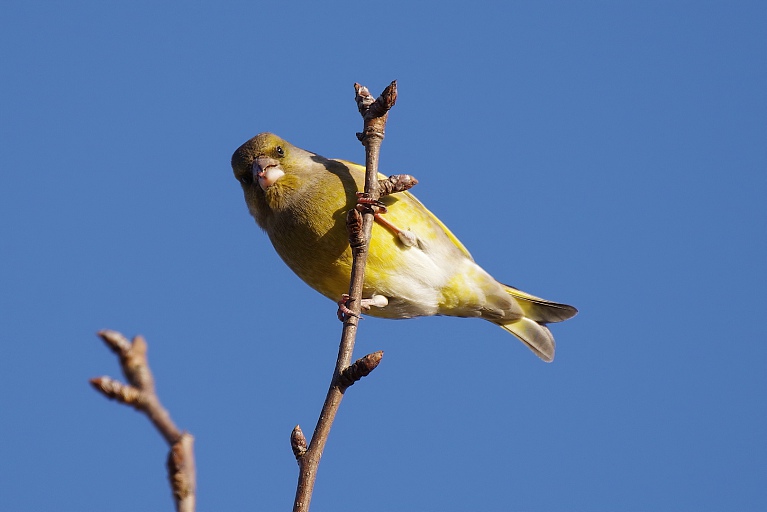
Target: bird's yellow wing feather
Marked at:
406, 205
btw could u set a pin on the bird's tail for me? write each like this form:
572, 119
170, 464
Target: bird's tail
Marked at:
531, 328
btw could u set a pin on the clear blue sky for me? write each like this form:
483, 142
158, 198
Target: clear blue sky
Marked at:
612, 155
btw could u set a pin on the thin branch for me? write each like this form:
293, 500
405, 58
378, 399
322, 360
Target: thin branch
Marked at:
140, 394
374, 113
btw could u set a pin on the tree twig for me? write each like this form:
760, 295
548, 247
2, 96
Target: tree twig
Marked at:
140, 394
374, 113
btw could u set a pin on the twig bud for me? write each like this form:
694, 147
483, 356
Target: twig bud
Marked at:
360, 368
354, 226
115, 341
116, 390
396, 183
298, 442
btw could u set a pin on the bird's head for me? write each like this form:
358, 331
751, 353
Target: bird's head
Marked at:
273, 173
262, 161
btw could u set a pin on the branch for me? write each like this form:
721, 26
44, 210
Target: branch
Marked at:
140, 394
374, 113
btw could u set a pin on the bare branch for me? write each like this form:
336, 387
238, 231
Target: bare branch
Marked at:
374, 113
141, 395
181, 473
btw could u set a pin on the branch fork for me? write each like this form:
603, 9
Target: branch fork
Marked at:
140, 394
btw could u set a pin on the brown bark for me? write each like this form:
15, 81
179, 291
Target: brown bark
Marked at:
140, 394
374, 114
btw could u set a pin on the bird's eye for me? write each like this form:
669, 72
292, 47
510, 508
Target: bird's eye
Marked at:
246, 179
280, 151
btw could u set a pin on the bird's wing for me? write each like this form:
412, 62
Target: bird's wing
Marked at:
418, 204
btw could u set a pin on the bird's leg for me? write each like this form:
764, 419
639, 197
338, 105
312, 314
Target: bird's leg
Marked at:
344, 312
407, 238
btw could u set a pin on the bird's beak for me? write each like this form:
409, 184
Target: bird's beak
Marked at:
267, 170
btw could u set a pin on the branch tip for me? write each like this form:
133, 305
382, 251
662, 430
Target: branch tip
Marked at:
139, 345
363, 98
389, 96
116, 390
374, 111
115, 341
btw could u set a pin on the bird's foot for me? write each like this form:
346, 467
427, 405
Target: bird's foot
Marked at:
344, 312
365, 203
343, 309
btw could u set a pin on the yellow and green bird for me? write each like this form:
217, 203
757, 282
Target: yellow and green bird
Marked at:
301, 198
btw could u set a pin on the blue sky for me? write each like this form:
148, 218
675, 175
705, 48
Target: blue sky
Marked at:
612, 155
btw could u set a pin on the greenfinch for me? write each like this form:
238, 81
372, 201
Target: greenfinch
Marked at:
415, 267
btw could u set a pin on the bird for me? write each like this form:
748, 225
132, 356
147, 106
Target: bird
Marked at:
416, 266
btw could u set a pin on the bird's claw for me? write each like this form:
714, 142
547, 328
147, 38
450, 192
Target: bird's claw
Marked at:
366, 203
344, 312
